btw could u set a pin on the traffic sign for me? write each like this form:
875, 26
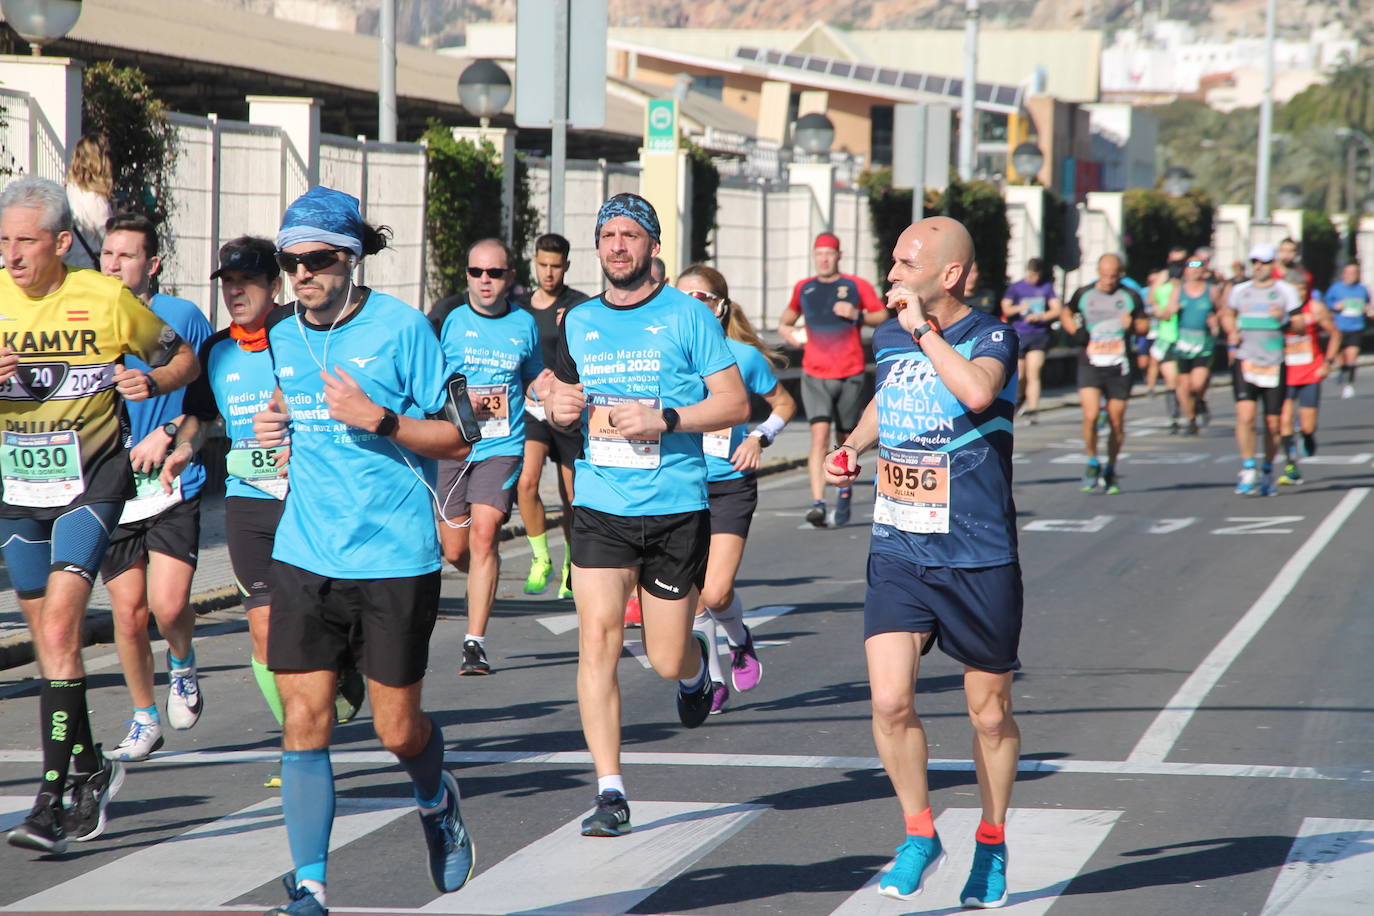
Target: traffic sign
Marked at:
581, 47
660, 126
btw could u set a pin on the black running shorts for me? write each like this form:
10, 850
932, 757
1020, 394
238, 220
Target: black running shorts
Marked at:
1270, 399
174, 532
670, 550
251, 529
313, 617
1114, 384
732, 504
564, 448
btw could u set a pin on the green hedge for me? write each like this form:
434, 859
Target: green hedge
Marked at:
1156, 222
705, 182
1320, 245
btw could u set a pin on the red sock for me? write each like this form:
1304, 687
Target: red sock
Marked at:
990, 833
919, 824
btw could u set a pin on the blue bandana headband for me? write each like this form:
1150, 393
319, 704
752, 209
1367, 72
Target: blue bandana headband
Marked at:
633, 207
323, 215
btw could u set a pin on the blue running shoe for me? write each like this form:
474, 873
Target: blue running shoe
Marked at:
917, 858
451, 853
302, 902
986, 888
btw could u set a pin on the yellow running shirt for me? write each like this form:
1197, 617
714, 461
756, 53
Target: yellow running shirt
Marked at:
62, 441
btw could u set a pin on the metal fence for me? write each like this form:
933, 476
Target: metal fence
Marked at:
28, 143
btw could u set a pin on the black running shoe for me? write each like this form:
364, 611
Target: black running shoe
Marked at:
474, 659
1309, 445
42, 829
694, 707
349, 694
85, 819
611, 817
816, 514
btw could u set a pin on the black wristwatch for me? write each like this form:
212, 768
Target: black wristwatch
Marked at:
171, 430
153, 389
921, 331
670, 419
388, 423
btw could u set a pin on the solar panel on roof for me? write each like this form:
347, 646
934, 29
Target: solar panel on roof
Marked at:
817, 64
841, 68
863, 72
911, 80
793, 60
887, 77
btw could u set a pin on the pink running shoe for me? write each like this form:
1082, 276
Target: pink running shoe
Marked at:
719, 695
745, 668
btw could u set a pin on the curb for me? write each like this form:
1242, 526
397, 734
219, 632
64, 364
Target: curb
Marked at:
99, 626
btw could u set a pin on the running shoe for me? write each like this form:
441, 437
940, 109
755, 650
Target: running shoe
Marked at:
42, 829
694, 707
720, 695
184, 700
816, 514
1092, 475
634, 612
301, 902
1248, 482
565, 587
611, 817
1174, 428
273, 780
917, 859
1290, 476
538, 579
474, 659
1347, 392
1204, 416
348, 697
143, 738
986, 888
745, 668
1191, 428
842, 506
85, 819
1109, 483
452, 855
1309, 445
1266, 486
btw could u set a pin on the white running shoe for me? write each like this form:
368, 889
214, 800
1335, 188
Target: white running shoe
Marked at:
184, 701
1347, 392
143, 738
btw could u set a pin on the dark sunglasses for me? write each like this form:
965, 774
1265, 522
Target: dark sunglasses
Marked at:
495, 273
1258, 261
1197, 263
313, 261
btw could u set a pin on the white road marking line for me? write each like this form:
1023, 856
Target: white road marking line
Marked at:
13, 810
566, 873
559, 624
1330, 869
1072, 525
1361, 458
1159, 739
342, 758
1046, 848
228, 857
1170, 525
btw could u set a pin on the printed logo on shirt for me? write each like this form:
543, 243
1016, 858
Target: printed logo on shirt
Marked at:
287, 372
361, 361
515, 340
471, 333
997, 336
592, 335
654, 329
842, 292
231, 377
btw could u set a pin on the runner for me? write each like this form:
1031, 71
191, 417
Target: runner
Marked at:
1191, 310
943, 562
1153, 348
652, 370
1101, 318
1348, 300
732, 457
1032, 306
366, 395
66, 475
834, 305
152, 554
1306, 367
496, 345
548, 302
1254, 316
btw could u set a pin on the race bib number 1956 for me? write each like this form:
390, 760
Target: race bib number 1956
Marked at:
913, 490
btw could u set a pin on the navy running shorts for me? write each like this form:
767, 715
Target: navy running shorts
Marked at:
73, 542
974, 614
732, 504
250, 527
1309, 396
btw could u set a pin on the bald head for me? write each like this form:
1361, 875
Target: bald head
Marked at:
1109, 272
932, 257
944, 239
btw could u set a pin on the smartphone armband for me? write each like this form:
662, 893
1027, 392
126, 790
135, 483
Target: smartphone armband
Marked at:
457, 408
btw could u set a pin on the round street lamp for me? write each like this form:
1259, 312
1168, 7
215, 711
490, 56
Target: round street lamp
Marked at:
813, 133
1177, 181
1290, 197
484, 89
1027, 160
41, 22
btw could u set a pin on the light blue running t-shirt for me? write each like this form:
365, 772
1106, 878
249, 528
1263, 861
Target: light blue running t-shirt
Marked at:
758, 379
500, 356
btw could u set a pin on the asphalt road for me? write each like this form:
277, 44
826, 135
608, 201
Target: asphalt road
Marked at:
1198, 733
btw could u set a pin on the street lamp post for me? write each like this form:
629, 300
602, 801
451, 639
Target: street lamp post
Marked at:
1177, 181
814, 134
1027, 160
41, 22
484, 90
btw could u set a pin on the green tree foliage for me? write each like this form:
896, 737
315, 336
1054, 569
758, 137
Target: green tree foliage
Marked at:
1320, 245
1156, 222
463, 205
705, 182
143, 142
1346, 99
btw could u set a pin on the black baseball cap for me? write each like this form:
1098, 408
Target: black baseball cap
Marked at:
249, 254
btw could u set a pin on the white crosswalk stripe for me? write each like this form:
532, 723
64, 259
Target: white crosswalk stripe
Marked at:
585, 875
233, 855
1330, 869
13, 809
1046, 847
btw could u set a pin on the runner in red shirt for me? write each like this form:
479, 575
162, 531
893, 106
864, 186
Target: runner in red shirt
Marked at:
1306, 367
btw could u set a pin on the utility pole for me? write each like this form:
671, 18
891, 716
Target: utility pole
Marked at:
1266, 125
968, 115
386, 74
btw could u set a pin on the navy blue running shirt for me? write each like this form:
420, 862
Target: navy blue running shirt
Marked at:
960, 458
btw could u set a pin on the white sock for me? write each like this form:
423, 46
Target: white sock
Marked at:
613, 783
731, 620
705, 624
693, 683
480, 640
315, 888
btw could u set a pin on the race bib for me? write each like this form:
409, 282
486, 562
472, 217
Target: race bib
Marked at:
913, 491
1035, 305
717, 443
149, 497
1191, 342
608, 446
41, 470
491, 405
1352, 308
1259, 376
1107, 351
257, 467
1297, 350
